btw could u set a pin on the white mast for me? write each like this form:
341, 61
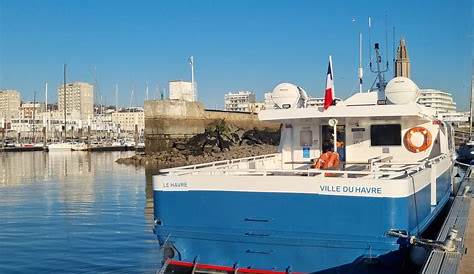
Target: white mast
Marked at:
361, 70
46, 95
191, 62
131, 99
116, 97
146, 91
470, 108
46, 121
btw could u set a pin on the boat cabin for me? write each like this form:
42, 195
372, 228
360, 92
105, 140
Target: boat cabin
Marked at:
366, 130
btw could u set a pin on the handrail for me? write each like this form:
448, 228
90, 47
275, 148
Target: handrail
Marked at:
228, 167
220, 163
307, 172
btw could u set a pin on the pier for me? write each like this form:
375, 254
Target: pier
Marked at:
457, 234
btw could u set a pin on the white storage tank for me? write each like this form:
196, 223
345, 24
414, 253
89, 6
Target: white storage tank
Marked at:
401, 90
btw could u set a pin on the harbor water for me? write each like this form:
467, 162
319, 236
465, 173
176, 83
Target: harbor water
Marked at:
75, 212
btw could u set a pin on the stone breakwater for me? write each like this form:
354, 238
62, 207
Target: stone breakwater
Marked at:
220, 141
175, 158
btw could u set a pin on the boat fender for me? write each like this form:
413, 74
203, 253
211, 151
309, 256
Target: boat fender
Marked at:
427, 139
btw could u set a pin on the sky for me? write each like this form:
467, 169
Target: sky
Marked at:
237, 45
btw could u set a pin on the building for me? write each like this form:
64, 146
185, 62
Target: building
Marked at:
29, 109
441, 101
402, 62
79, 99
9, 104
182, 90
126, 119
257, 107
239, 101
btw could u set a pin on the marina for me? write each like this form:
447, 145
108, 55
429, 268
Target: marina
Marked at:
229, 137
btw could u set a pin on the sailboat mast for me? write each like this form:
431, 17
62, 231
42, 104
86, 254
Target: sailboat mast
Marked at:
34, 117
361, 70
64, 101
470, 108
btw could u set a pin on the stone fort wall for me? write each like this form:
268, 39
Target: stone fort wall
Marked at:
169, 120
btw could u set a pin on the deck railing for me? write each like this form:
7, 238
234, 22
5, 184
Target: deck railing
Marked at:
381, 168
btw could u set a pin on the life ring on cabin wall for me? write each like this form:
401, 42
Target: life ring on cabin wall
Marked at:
427, 139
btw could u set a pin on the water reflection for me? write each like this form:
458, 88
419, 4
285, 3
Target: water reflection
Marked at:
75, 211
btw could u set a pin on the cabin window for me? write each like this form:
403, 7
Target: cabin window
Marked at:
306, 137
386, 135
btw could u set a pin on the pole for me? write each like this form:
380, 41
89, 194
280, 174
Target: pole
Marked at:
64, 103
470, 107
370, 42
46, 107
146, 91
44, 138
335, 137
361, 70
116, 97
46, 96
34, 117
191, 62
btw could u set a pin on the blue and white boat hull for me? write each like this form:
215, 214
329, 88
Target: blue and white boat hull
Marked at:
294, 223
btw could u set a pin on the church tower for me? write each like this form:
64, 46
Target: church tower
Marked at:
402, 63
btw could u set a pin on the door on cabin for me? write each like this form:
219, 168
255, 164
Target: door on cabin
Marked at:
327, 140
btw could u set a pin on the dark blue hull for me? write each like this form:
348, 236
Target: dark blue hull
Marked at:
292, 231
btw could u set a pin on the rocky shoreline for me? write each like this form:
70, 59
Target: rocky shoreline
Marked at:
168, 159
220, 141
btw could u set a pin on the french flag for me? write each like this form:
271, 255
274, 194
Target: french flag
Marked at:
329, 94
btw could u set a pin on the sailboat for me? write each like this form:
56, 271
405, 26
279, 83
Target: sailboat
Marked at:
62, 146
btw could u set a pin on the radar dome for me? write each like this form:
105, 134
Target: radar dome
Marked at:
401, 90
286, 95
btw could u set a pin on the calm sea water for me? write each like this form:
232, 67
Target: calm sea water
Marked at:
75, 212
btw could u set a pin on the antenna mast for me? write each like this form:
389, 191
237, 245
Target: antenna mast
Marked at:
361, 70
380, 80
370, 41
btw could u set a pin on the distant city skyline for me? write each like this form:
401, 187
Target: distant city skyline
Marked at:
241, 45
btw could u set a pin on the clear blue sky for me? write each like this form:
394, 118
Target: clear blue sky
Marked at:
251, 45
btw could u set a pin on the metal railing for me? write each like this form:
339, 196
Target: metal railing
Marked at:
381, 168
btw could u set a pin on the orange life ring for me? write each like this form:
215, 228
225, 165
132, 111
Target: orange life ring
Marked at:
426, 142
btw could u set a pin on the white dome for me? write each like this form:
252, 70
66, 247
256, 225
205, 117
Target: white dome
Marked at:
286, 95
401, 90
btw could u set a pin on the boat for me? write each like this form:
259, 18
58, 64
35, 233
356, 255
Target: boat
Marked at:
81, 146
288, 212
63, 146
